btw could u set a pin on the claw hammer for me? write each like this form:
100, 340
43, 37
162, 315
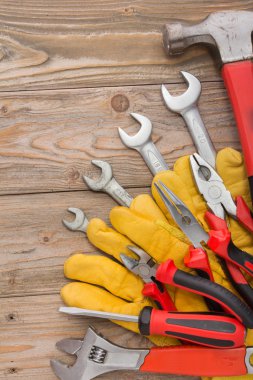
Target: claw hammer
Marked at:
231, 33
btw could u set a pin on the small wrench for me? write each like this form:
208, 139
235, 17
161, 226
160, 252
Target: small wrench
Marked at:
186, 106
144, 145
108, 184
80, 223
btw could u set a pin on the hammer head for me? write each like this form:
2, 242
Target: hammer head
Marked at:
230, 32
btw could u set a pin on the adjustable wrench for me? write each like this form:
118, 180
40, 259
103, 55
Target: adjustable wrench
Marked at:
143, 144
96, 355
108, 184
186, 106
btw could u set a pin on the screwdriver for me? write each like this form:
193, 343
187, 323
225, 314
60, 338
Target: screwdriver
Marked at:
208, 329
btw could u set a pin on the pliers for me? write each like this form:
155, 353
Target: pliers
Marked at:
167, 273
146, 268
216, 239
220, 202
216, 195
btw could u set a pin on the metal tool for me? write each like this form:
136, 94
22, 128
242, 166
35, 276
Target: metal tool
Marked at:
108, 184
146, 268
216, 195
152, 288
143, 144
230, 32
219, 240
186, 106
80, 223
208, 329
96, 355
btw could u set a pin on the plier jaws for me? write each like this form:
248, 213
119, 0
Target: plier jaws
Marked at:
212, 188
145, 267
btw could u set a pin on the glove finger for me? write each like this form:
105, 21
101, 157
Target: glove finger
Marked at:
153, 237
91, 297
145, 206
107, 239
230, 166
102, 271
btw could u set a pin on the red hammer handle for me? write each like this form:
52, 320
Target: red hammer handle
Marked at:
238, 79
196, 361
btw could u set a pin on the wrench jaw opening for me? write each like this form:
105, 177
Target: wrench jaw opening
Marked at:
180, 104
140, 138
80, 223
106, 176
96, 356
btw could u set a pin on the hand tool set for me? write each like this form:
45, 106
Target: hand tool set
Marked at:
222, 330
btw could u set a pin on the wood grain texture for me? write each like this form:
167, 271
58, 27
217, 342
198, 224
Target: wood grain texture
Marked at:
66, 44
30, 327
34, 242
48, 138
70, 74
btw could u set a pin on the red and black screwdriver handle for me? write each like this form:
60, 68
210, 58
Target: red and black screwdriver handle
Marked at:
220, 242
158, 292
208, 329
169, 274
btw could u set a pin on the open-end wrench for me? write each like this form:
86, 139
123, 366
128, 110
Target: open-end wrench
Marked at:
80, 223
108, 184
144, 145
230, 32
186, 106
96, 355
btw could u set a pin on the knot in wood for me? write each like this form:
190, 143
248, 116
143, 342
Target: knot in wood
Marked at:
120, 103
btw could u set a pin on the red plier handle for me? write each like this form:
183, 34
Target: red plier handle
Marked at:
197, 259
220, 242
158, 292
169, 274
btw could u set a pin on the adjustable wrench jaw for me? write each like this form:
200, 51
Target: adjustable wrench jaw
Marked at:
96, 356
80, 223
212, 188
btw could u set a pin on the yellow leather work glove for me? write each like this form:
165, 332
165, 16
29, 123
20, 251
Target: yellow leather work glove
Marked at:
103, 283
231, 168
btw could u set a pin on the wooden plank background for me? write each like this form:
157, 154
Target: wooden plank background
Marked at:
70, 74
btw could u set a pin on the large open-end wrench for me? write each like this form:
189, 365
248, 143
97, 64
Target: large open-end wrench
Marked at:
96, 355
143, 144
186, 106
108, 184
230, 32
